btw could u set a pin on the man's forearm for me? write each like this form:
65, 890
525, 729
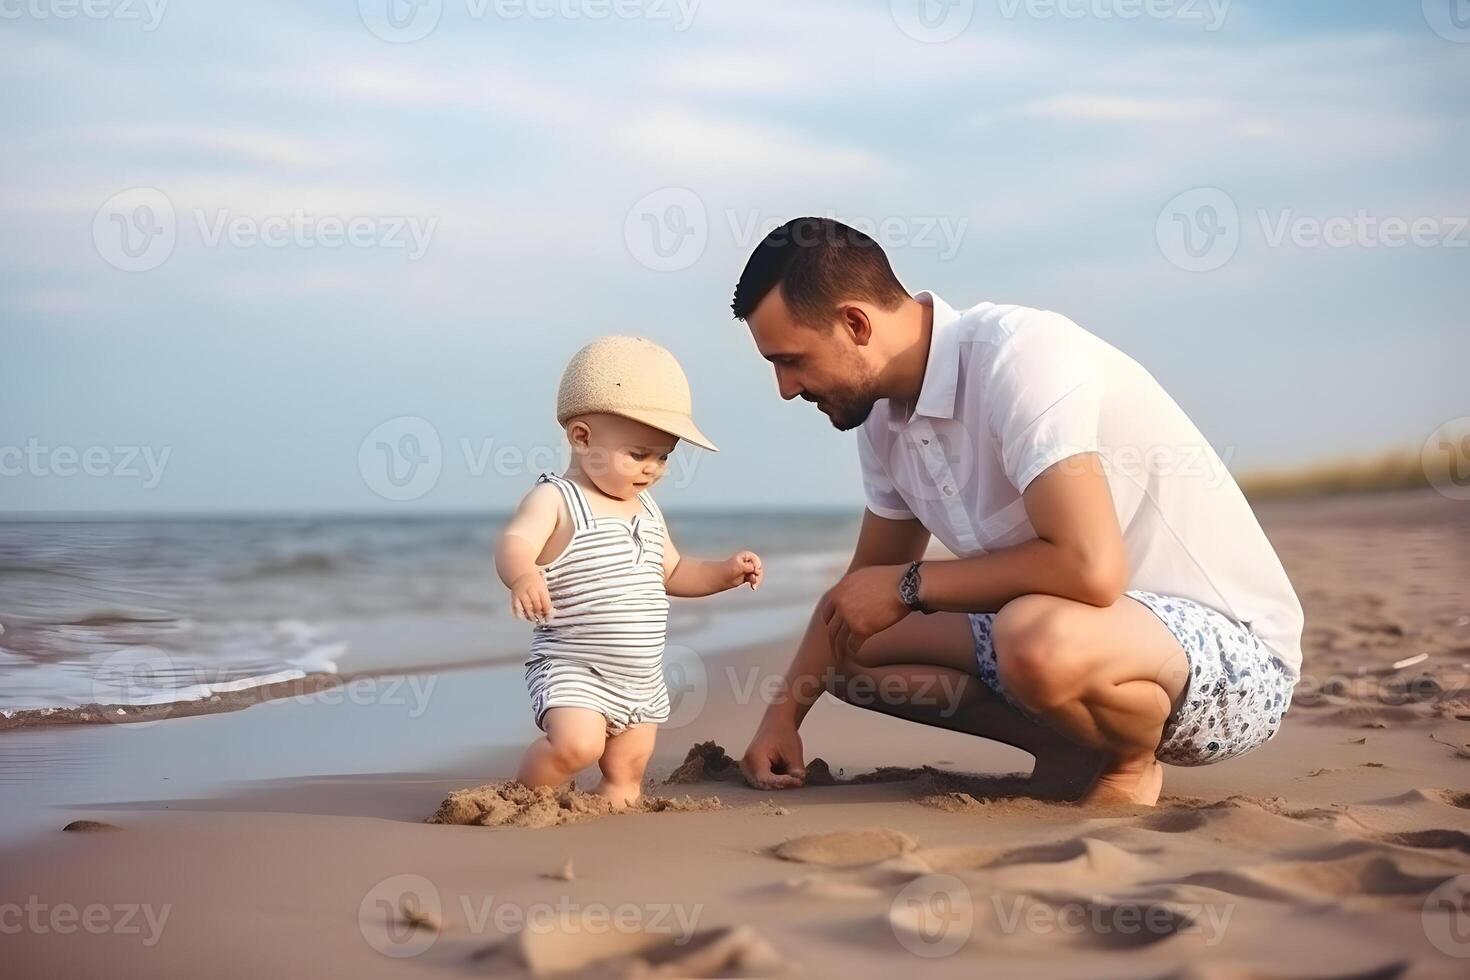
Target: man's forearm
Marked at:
986, 582
806, 678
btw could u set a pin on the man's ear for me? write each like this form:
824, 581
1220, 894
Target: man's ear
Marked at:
855, 321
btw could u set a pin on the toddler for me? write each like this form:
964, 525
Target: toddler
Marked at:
589, 561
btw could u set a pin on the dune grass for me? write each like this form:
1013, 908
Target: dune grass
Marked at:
1397, 470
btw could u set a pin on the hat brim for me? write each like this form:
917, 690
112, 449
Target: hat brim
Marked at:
674, 423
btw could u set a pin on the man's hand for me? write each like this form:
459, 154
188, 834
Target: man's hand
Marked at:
774, 759
863, 604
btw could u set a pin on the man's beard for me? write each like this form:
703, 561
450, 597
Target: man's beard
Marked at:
850, 408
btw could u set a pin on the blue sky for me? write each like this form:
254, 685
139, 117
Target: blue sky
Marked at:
1004, 150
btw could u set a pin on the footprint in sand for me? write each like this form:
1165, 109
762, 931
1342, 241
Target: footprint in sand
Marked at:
1435, 839
938, 914
847, 848
576, 946
1236, 822
1063, 863
1362, 876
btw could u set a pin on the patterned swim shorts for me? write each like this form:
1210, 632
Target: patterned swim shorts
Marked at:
1237, 693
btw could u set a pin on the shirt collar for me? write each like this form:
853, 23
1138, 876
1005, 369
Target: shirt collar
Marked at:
942, 369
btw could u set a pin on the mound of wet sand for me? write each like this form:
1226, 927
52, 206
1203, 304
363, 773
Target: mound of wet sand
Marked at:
708, 762
705, 762
509, 804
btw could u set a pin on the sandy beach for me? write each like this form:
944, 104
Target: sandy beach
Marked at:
1340, 849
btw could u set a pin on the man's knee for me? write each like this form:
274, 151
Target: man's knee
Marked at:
1032, 653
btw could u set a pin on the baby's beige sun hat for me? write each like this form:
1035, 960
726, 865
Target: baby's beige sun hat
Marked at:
632, 377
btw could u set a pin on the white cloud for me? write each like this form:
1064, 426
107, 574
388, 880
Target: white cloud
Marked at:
706, 145
238, 144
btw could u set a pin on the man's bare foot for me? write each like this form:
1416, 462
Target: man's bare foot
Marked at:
621, 797
1135, 783
1066, 775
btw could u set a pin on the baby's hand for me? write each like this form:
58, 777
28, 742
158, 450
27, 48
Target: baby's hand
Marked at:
745, 568
530, 599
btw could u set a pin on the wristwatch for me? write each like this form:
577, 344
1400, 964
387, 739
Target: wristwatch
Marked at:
908, 588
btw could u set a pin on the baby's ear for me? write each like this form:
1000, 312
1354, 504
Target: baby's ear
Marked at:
579, 433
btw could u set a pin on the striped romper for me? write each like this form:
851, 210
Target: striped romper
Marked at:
603, 648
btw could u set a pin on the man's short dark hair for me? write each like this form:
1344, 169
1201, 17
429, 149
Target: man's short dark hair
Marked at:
818, 263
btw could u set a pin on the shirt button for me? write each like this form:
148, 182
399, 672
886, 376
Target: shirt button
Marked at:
949, 491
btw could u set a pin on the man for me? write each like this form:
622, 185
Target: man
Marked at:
1111, 588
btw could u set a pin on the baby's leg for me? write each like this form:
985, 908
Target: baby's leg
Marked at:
623, 762
573, 741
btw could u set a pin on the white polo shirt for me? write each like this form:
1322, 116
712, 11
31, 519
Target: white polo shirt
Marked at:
1008, 391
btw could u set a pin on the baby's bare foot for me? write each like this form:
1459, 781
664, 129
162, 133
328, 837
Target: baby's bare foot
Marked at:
620, 796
